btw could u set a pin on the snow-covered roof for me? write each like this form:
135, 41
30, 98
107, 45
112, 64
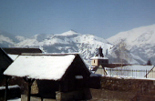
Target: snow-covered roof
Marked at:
51, 67
19, 51
130, 71
98, 57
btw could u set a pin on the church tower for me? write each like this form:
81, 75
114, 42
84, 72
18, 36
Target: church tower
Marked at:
99, 62
99, 59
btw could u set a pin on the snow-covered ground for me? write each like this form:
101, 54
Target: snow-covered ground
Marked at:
16, 99
9, 87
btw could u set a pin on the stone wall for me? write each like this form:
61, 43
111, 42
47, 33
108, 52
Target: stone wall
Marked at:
34, 98
80, 95
119, 89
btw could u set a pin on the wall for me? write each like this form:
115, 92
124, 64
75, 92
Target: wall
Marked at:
79, 95
94, 62
119, 89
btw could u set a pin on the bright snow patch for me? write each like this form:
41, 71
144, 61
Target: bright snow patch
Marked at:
69, 33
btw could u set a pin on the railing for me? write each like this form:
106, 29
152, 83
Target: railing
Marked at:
131, 73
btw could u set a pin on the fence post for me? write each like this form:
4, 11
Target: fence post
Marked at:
6, 87
29, 83
110, 72
146, 73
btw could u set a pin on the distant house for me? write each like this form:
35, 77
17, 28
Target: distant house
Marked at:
57, 76
98, 63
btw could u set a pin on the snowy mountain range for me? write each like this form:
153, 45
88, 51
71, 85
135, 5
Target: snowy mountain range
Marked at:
6, 39
139, 41
135, 46
67, 42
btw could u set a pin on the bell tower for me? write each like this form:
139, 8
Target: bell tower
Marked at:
99, 62
99, 59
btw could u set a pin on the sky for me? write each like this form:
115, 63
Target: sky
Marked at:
103, 18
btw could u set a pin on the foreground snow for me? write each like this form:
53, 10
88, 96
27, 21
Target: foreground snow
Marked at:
9, 87
16, 99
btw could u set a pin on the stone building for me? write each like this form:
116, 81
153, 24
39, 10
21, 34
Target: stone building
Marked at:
61, 77
7, 56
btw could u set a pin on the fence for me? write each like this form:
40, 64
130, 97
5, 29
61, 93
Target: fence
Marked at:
131, 73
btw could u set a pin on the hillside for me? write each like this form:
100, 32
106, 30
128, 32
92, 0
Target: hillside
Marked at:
139, 41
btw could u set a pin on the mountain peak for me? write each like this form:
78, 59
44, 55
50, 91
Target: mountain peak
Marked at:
139, 41
69, 33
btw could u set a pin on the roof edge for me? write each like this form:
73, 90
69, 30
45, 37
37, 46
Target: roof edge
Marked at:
47, 54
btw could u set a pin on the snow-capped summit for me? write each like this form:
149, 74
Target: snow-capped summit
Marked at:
69, 33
